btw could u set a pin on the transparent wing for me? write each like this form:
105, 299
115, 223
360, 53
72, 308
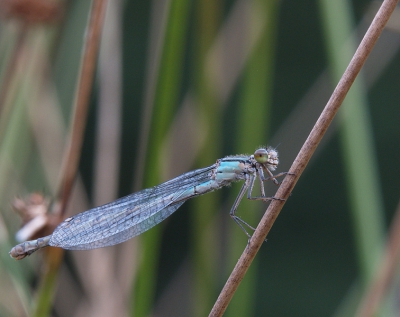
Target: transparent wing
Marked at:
126, 217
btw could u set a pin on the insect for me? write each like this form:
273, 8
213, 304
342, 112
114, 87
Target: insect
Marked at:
130, 216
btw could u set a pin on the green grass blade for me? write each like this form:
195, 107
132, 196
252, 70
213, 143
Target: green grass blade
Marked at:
252, 131
356, 136
208, 15
357, 140
166, 99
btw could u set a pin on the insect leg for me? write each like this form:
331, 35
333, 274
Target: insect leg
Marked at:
262, 178
249, 182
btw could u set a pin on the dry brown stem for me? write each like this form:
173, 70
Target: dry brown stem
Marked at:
71, 158
81, 102
304, 156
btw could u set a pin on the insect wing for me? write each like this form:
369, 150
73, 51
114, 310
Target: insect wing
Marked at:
126, 217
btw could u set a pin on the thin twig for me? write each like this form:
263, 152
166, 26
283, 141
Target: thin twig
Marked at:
73, 151
304, 156
386, 270
81, 103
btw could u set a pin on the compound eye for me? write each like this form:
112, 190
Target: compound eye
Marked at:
261, 156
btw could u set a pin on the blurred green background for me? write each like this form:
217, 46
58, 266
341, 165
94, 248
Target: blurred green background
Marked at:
180, 84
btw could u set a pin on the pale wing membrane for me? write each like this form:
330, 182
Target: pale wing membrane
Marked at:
127, 217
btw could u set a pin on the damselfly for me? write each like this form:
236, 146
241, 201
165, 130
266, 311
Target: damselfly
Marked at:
129, 216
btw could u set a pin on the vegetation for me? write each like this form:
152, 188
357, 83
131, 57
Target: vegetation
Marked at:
178, 85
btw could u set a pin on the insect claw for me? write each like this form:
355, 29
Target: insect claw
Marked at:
276, 198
